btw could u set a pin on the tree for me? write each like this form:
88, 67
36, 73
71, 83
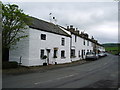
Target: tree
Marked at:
14, 26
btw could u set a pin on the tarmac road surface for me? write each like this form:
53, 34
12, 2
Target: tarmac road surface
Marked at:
102, 73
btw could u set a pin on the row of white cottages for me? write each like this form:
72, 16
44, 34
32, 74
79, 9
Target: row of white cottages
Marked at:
59, 44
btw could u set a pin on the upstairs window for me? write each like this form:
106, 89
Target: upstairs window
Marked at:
75, 38
43, 36
84, 42
63, 41
62, 54
87, 43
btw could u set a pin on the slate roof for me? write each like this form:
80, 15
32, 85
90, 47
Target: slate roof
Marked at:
46, 26
79, 35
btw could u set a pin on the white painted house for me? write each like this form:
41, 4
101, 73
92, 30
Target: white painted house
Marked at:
44, 39
79, 44
59, 44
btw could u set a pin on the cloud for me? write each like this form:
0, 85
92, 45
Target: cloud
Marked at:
99, 19
107, 32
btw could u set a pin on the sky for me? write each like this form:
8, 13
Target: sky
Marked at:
98, 19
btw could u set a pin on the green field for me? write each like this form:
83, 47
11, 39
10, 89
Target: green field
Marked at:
113, 50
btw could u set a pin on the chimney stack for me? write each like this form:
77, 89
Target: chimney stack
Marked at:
77, 31
86, 35
71, 26
67, 27
92, 38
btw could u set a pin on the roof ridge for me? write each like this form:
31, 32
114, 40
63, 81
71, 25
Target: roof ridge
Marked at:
46, 26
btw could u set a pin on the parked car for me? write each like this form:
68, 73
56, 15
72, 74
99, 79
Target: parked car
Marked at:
118, 54
91, 56
105, 54
102, 54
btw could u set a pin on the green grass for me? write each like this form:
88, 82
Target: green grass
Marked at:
113, 50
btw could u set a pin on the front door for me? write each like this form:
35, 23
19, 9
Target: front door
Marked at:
48, 52
82, 53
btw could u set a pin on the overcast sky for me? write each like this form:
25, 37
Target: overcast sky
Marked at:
99, 19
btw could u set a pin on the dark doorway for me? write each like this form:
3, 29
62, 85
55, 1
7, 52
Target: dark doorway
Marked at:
48, 52
82, 53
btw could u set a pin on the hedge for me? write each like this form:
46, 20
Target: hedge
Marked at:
8, 65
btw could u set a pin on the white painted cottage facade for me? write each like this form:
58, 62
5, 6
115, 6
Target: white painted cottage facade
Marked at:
59, 44
79, 45
44, 39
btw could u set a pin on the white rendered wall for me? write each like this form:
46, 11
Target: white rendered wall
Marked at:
101, 48
52, 41
30, 47
79, 46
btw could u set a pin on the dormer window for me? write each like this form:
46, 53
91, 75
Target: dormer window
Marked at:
43, 36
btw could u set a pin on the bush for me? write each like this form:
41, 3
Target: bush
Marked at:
8, 65
44, 57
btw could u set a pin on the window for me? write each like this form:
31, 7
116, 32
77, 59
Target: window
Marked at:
63, 41
84, 41
78, 53
90, 50
42, 53
55, 54
84, 52
43, 36
90, 44
62, 54
75, 38
87, 43
72, 52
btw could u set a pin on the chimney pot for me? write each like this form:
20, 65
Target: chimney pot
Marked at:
92, 37
67, 27
71, 26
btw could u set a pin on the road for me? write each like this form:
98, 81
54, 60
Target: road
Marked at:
102, 73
